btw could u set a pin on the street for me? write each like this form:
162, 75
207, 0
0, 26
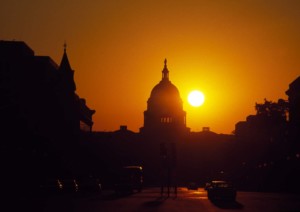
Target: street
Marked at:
150, 199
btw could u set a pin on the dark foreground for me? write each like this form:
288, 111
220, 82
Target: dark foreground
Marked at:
151, 200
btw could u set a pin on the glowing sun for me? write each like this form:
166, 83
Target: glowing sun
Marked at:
196, 98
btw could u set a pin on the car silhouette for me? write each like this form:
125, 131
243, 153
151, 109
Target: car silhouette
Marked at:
69, 185
221, 190
50, 186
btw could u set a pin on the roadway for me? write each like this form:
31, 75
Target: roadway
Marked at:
150, 199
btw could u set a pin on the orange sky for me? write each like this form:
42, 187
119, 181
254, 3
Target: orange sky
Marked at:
237, 52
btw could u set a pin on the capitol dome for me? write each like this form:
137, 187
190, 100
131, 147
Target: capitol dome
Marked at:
164, 88
164, 107
164, 96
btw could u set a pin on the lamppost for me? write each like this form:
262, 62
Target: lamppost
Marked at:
168, 161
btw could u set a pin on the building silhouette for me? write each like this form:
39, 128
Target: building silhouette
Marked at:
164, 115
42, 116
294, 116
272, 135
164, 145
294, 103
42, 93
269, 123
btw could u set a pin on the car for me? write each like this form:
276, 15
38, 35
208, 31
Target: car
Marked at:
69, 185
221, 190
50, 186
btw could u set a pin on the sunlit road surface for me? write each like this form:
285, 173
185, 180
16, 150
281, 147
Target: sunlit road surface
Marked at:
186, 200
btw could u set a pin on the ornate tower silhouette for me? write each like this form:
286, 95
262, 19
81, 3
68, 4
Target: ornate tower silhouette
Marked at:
66, 72
77, 115
68, 98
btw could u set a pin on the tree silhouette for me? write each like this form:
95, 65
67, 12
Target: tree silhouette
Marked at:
276, 111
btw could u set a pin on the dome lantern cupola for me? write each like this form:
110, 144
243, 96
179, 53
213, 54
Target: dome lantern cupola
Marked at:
165, 72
